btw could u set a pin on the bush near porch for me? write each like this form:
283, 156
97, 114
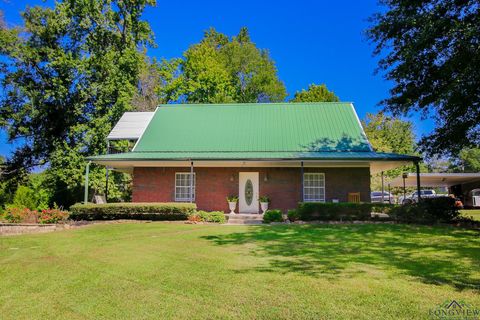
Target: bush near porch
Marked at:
137, 211
427, 211
345, 211
272, 215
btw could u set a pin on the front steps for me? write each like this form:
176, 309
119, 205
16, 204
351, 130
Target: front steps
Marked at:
244, 219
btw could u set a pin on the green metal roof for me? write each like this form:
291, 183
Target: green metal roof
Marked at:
177, 156
274, 131
269, 127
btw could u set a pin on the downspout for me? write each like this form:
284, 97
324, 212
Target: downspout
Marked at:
87, 170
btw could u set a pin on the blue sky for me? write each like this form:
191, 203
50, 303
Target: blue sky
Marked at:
310, 41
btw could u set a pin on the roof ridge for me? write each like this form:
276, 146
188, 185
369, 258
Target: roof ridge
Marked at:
251, 104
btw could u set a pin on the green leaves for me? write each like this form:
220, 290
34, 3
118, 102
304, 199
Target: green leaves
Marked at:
315, 93
223, 70
67, 78
430, 52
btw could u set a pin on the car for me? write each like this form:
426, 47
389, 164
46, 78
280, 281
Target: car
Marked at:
376, 196
413, 197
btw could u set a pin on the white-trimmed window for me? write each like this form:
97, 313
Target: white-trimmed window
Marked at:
182, 186
314, 187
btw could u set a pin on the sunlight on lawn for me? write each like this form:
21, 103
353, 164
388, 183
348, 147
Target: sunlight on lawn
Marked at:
179, 271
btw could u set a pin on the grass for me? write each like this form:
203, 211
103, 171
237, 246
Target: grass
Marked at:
471, 213
179, 271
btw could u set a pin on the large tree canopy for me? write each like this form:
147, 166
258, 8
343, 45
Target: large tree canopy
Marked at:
389, 134
66, 77
315, 93
431, 52
470, 160
219, 69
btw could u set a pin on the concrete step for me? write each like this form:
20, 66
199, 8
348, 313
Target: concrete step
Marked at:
243, 221
245, 216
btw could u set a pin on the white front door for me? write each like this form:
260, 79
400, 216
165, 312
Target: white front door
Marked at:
248, 192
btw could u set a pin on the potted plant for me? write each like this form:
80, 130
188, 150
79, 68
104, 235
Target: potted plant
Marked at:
264, 200
232, 203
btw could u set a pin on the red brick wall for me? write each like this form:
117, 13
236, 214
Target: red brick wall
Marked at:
213, 185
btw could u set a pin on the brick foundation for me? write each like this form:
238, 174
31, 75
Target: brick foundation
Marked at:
213, 185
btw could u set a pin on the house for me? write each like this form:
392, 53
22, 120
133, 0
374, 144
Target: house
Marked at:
290, 152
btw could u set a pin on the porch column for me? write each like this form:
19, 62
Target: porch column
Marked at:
417, 165
87, 171
191, 181
106, 173
383, 189
301, 172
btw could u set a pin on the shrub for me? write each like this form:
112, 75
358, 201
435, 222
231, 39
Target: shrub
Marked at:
24, 197
272, 216
263, 199
214, 216
34, 195
52, 216
194, 218
13, 214
344, 211
293, 215
232, 198
139, 211
429, 210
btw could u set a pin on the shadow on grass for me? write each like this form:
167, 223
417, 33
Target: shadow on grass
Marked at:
436, 255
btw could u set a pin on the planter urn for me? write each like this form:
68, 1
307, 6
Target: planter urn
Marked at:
232, 206
264, 206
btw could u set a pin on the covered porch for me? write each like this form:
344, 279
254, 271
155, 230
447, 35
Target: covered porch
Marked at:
286, 182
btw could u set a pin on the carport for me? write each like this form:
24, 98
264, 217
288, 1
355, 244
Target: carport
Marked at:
459, 184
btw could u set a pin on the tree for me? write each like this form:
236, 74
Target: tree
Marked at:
430, 51
315, 93
159, 82
223, 70
470, 160
389, 134
67, 77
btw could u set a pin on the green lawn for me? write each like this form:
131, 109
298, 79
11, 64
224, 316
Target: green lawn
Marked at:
471, 213
180, 271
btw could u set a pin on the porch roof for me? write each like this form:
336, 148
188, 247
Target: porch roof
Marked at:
286, 155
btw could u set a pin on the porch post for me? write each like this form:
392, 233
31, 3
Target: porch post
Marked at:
106, 173
191, 181
417, 165
389, 194
87, 170
383, 189
301, 172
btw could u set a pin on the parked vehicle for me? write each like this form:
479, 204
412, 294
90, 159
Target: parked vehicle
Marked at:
413, 197
376, 196
472, 199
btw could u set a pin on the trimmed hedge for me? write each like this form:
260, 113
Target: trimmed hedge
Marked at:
427, 211
213, 216
137, 211
344, 211
272, 216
